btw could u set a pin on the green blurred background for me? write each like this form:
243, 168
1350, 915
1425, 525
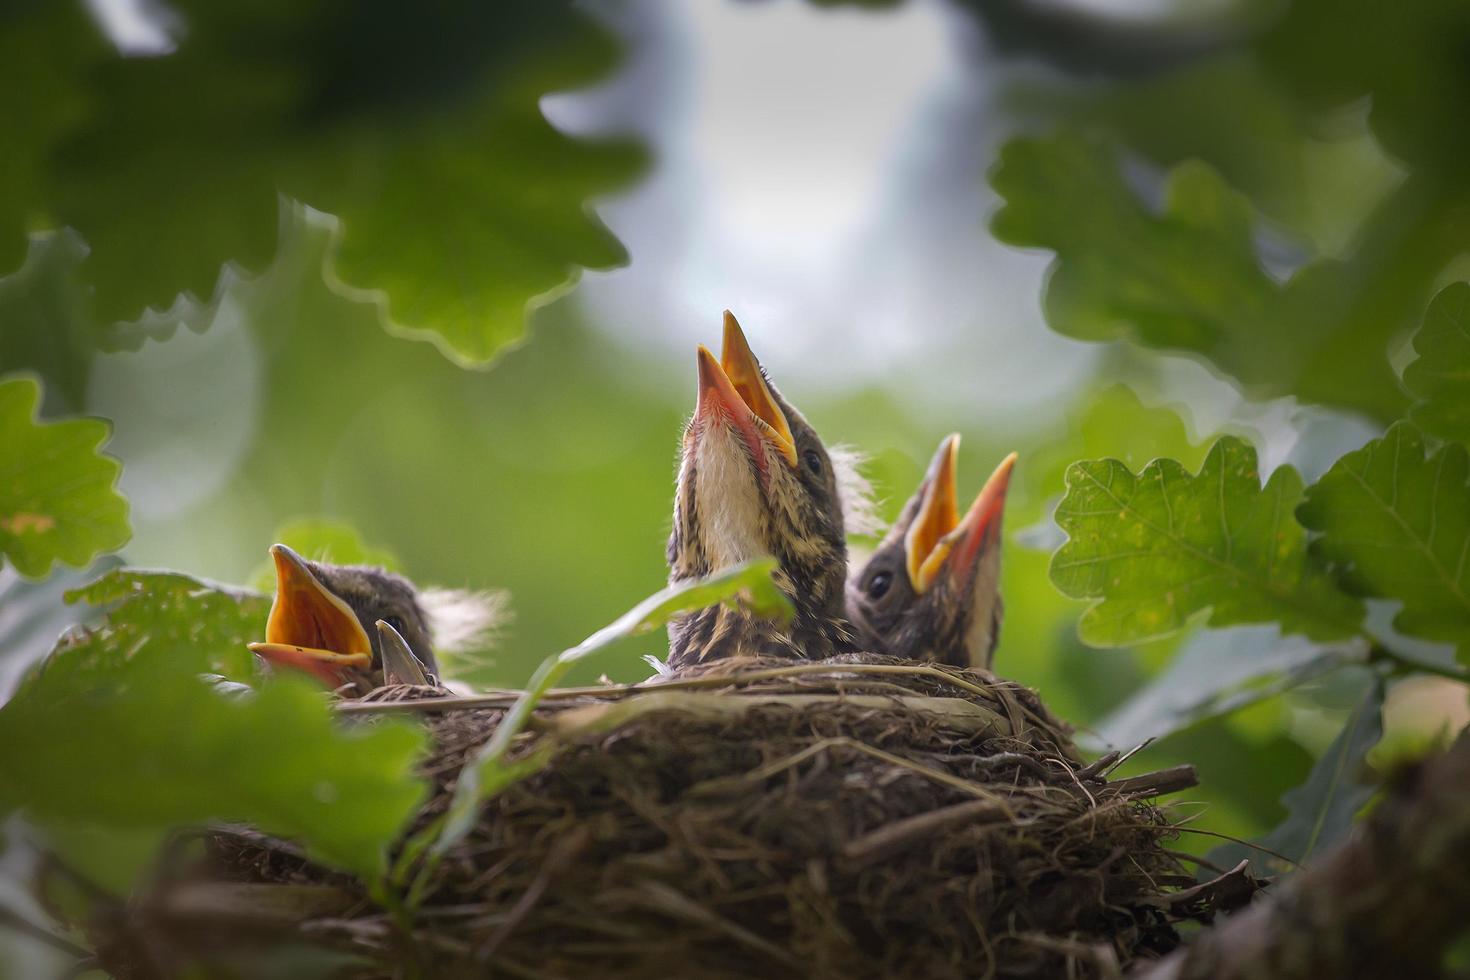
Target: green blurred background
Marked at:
820, 169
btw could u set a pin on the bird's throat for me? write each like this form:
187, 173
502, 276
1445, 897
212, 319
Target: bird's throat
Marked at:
729, 502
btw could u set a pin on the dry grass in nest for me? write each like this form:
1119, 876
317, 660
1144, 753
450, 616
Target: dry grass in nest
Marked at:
862, 817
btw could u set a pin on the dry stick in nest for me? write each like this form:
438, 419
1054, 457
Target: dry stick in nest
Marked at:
506, 698
1386, 903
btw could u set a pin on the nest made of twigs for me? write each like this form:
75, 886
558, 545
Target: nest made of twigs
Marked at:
861, 817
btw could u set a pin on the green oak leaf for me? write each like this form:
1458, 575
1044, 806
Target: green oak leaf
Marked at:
58, 500
1396, 523
458, 204
1441, 374
1188, 278
1156, 548
1230, 111
146, 607
1321, 810
138, 744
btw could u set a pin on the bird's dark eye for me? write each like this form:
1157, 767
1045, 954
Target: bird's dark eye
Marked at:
394, 622
813, 460
879, 584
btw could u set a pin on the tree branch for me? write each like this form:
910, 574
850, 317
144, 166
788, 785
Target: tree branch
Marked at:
1388, 902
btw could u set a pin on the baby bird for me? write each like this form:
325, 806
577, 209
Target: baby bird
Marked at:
755, 480
337, 623
932, 589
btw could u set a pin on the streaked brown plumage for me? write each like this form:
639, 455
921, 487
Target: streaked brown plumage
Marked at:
755, 480
931, 591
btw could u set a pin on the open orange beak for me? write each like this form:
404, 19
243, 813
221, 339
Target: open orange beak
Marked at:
311, 629
939, 538
744, 373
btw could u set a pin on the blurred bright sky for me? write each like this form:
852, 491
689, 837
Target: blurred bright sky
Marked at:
821, 173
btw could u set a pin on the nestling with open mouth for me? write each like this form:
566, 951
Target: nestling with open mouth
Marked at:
756, 480
358, 627
931, 591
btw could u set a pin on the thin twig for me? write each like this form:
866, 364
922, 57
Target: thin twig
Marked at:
842, 741
891, 838
675, 904
1172, 780
507, 698
1236, 840
562, 854
1116, 763
1098, 765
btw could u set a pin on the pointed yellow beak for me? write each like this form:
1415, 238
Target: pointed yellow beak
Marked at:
744, 372
939, 539
400, 666
310, 628
939, 514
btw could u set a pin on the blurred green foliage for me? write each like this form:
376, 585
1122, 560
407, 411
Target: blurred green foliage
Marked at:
1189, 278
1322, 808
1408, 62
1341, 122
1217, 673
459, 203
329, 541
45, 327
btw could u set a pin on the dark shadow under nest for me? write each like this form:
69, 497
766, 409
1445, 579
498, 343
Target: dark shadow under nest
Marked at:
853, 818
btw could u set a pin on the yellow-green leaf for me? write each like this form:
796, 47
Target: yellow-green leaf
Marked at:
1395, 522
1161, 546
144, 608
1441, 374
58, 497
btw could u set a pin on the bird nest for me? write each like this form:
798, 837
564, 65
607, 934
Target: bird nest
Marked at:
855, 817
